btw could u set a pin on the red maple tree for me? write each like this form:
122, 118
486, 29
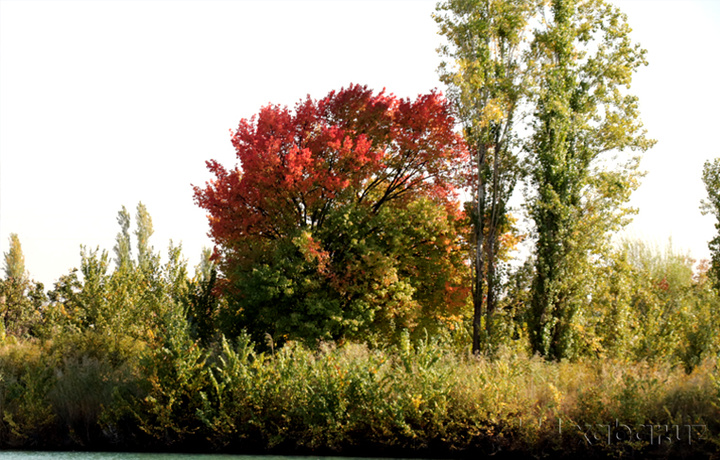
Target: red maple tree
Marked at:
316, 180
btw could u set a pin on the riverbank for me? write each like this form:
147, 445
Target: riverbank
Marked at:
426, 400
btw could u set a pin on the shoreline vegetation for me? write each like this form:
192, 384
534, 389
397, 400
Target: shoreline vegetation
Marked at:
136, 358
353, 305
93, 392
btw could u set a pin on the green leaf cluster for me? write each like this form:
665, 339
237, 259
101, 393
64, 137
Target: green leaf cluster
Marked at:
360, 276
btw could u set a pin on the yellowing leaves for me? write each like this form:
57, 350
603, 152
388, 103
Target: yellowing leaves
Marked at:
495, 111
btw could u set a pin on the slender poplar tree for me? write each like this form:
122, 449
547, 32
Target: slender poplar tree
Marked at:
123, 247
585, 62
711, 179
14, 260
147, 260
486, 82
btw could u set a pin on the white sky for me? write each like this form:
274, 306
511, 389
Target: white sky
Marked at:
108, 103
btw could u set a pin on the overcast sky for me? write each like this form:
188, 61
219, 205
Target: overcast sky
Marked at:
108, 103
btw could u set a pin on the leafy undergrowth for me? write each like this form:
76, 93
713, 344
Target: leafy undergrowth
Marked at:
410, 400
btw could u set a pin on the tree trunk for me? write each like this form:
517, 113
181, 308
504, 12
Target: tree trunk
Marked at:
479, 239
492, 241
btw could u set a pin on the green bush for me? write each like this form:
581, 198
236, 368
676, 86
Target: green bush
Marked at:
25, 383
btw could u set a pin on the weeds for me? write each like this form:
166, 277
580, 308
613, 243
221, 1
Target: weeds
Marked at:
418, 397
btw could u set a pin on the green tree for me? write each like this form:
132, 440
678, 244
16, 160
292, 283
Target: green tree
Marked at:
15, 260
585, 62
147, 260
20, 297
711, 179
123, 247
133, 300
675, 309
486, 81
204, 305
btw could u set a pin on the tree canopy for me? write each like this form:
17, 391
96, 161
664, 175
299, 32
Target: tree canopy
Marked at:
341, 214
585, 63
487, 83
14, 263
711, 179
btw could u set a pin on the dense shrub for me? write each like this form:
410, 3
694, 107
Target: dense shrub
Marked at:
420, 398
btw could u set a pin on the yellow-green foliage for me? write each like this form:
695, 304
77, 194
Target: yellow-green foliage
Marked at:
56, 393
420, 397
24, 384
427, 397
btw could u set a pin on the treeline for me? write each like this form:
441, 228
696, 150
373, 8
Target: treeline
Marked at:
351, 299
130, 353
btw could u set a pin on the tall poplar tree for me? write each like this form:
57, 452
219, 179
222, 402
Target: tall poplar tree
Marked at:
711, 179
123, 248
585, 62
14, 260
572, 72
486, 82
20, 297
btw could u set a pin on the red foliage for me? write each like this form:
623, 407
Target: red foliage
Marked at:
352, 146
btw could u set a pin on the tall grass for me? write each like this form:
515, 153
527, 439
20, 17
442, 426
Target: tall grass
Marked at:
413, 399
